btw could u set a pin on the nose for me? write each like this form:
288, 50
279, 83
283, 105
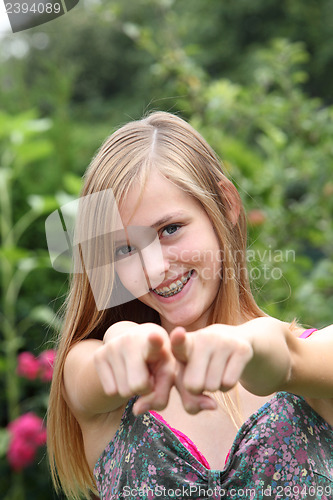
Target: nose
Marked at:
155, 263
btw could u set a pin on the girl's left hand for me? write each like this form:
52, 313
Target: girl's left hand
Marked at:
209, 359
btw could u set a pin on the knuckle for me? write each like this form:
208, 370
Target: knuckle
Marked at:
191, 407
212, 386
160, 403
194, 387
140, 387
110, 391
245, 349
227, 383
125, 392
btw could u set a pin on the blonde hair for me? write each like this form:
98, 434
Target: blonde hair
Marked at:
169, 144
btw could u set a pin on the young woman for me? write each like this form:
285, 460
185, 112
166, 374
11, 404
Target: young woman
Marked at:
171, 394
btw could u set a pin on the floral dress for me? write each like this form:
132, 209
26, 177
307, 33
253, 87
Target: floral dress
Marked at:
283, 451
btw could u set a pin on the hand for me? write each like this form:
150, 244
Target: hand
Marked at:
210, 359
137, 361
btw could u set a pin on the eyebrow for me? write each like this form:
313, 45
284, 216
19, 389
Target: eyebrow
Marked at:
167, 218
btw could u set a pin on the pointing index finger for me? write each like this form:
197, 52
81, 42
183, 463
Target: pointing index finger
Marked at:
180, 344
154, 347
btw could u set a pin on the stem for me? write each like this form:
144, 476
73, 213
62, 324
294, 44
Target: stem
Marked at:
16, 492
7, 272
22, 224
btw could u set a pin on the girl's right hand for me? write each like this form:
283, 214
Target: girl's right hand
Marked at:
136, 360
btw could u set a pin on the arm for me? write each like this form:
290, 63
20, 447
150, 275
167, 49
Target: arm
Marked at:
312, 372
262, 354
288, 363
133, 359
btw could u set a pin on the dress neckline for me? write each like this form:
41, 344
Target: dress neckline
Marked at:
241, 431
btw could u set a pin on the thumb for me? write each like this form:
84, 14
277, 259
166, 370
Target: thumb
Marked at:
181, 344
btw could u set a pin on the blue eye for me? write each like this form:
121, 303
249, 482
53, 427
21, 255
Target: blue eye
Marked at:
124, 250
171, 229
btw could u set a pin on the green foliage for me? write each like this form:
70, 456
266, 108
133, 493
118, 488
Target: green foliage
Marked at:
278, 148
22, 142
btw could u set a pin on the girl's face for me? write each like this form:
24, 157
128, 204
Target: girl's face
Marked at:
185, 265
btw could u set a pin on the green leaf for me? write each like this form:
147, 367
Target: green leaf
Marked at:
34, 150
14, 254
45, 314
73, 184
4, 441
42, 204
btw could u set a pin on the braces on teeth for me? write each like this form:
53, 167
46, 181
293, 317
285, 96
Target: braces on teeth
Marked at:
174, 288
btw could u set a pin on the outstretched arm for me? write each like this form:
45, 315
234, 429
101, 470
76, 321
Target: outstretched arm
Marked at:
287, 362
263, 354
312, 371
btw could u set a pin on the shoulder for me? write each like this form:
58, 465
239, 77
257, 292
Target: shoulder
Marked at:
77, 365
83, 390
78, 374
83, 348
327, 332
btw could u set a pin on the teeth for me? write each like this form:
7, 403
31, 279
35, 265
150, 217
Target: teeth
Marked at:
174, 287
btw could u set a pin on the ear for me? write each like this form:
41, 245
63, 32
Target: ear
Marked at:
232, 199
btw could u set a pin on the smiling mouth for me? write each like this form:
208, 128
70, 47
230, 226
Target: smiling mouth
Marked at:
175, 287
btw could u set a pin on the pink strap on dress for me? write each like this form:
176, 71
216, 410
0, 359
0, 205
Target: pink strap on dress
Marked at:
307, 333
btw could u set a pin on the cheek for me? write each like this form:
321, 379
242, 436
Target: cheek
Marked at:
211, 258
187, 250
132, 276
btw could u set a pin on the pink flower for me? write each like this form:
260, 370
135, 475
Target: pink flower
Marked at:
256, 217
27, 434
27, 365
30, 367
46, 363
20, 454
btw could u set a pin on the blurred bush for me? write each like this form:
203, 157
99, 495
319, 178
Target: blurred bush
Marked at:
276, 142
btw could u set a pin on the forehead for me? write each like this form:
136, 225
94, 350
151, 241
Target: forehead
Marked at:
154, 202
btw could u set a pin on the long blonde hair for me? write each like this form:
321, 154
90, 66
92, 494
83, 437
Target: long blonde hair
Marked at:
169, 144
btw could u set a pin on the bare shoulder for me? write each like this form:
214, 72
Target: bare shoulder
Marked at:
83, 390
323, 338
79, 355
78, 370
327, 331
